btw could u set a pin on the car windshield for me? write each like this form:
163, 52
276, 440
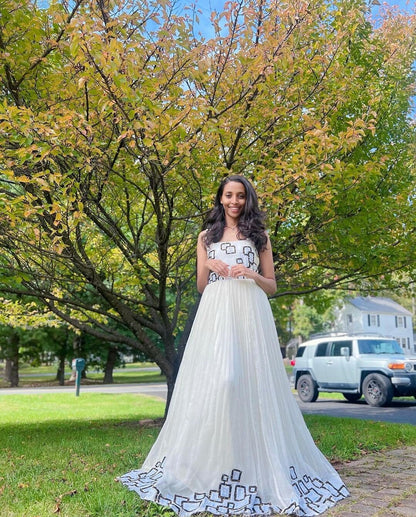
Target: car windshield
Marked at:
379, 346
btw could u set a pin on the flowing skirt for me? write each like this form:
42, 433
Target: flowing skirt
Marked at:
234, 441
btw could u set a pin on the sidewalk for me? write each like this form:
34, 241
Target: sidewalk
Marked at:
381, 485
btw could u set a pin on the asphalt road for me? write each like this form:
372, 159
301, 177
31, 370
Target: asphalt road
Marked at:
152, 389
400, 411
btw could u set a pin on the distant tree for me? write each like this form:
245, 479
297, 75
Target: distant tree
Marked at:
9, 352
307, 320
24, 330
117, 122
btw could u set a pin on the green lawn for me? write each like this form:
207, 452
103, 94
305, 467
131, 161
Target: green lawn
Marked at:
60, 453
45, 375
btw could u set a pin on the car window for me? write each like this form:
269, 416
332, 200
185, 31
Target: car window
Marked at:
300, 351
379, 346
335, 349
321, 349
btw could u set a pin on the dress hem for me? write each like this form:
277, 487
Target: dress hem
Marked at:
233, 497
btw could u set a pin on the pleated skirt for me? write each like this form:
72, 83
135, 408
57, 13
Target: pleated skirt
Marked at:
234, 441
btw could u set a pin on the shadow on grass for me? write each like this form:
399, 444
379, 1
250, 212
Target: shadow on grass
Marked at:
70, 467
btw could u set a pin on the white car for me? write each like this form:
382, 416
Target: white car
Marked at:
354, 365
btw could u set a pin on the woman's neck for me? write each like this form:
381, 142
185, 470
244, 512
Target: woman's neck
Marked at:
232, 224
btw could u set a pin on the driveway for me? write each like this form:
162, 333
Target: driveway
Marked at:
400, 411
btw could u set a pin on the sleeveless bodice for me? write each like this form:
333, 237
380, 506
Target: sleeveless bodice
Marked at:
232, 253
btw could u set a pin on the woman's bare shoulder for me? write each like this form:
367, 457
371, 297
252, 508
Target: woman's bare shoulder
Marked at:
202, 234
201, 237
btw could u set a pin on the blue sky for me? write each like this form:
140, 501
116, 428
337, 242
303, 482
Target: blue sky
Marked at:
207, 6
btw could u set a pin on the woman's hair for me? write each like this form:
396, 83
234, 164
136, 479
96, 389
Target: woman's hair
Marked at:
250, 225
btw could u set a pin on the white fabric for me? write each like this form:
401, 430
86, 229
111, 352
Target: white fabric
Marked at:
234, 442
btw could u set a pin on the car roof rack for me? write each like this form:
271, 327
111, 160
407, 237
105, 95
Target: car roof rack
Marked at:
340, 334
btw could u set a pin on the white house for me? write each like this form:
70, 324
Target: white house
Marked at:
376, 315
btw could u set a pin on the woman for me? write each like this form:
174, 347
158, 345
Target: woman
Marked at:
234, 441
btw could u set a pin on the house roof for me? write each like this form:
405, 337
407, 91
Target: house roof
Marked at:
379, 305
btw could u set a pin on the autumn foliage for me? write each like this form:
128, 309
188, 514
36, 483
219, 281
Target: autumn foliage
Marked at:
118, 119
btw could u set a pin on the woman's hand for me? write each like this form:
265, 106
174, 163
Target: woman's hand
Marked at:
241, 270
218, 266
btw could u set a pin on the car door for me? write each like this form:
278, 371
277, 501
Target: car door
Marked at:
340, 369
319, 363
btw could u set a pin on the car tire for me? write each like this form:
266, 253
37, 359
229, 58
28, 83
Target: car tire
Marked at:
352, 397
377, 390
307, 388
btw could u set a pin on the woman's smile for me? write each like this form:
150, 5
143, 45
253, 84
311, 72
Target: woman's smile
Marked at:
233, 200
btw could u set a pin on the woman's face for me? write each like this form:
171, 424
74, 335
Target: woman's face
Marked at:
233, 199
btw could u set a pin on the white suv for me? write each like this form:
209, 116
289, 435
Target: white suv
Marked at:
354, 365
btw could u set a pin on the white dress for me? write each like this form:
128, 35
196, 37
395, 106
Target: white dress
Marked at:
234, 441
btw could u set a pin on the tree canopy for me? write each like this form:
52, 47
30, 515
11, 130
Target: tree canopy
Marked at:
118, 119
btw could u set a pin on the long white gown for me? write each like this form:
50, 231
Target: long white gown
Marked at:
234, 441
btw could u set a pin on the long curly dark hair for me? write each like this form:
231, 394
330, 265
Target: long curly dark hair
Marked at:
250, 225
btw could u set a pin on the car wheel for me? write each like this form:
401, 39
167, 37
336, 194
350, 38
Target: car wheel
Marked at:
377, 389
307, 389
352, 397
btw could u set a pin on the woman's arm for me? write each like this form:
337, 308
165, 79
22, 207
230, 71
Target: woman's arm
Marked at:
204, 265
266, 280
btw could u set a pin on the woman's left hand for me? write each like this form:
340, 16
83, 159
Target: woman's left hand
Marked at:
241, 270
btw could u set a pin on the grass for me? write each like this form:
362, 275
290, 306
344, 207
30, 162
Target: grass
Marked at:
45, 375
60, 454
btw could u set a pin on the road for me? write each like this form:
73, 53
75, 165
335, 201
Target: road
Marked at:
153, 389
400, 411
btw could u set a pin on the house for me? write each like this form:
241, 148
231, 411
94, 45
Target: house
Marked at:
376, 315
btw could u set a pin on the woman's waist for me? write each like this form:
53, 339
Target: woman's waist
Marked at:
231, 282
214, 277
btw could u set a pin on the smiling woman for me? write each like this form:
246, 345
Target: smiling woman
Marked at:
234, 441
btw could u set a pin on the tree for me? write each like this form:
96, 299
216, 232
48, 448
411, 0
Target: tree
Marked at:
117, 121
307, 320
25, 328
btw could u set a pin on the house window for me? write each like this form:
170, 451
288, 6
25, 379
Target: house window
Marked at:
373, 320
349, 319
399, 322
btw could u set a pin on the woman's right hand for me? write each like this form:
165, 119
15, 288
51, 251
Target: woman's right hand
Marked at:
218, 266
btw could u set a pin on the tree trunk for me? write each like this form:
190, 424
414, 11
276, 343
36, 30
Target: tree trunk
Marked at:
185, 335
77, 348
112, 357
60, 374
7, 370
171, 385
62, 354
12, 360
181, 349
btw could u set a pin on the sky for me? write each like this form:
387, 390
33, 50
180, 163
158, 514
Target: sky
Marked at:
406, 5
207, 6
217, 5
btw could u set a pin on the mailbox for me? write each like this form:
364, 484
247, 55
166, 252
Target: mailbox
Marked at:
78, 365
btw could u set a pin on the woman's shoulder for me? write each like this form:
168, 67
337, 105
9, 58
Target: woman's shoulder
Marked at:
202, 235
